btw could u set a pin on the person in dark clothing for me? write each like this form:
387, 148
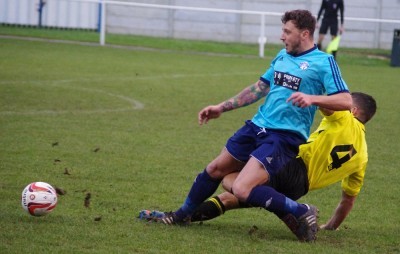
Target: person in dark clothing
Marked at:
330, 9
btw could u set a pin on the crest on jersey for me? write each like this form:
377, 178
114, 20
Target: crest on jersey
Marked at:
304, 65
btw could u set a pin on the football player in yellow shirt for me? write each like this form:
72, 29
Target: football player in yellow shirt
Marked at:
336, 151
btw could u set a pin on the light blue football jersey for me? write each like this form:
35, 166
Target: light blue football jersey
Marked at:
311, 72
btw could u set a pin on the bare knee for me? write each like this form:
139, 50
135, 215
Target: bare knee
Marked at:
228, 180
223, 165
215, 171
253, 174
240, 191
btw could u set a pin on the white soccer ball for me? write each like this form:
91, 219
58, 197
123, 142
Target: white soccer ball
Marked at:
39, 198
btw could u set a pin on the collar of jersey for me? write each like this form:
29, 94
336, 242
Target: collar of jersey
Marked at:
305, 52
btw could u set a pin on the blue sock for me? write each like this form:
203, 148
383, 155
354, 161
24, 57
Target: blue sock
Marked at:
203, 187
273, 201
294, 208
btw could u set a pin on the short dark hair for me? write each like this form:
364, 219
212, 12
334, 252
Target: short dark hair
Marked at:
302, 19
366, 103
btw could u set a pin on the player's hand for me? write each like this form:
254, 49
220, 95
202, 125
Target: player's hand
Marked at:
301, 100
209, 112
327, 227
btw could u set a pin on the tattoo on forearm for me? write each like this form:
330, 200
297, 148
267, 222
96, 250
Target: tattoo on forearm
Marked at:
264, 87
228, 105
248, 96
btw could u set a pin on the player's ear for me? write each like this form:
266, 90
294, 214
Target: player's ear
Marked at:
355, 111
305, 33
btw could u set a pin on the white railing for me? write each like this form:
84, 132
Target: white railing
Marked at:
261, 39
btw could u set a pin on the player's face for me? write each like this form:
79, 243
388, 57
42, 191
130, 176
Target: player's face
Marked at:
291, 37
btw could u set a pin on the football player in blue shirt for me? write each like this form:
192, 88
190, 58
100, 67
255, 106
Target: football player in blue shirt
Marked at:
299, 79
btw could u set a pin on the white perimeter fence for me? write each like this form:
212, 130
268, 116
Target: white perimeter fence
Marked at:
93, 14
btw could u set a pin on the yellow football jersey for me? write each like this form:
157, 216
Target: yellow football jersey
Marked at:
336, 151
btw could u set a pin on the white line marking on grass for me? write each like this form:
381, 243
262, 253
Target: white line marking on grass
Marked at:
135, 104
62, 112
134, 78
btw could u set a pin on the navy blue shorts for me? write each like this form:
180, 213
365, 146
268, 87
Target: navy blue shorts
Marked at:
272, 148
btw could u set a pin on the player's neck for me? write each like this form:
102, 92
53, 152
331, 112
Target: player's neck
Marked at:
306, 47
309, 45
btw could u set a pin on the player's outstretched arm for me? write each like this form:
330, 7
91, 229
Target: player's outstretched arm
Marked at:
246, 97
326, 112
341, 212
340, 101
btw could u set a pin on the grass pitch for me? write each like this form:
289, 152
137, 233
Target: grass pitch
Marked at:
121, 124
